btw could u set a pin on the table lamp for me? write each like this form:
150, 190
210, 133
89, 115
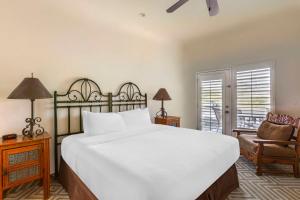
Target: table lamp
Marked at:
32, 89
162, 95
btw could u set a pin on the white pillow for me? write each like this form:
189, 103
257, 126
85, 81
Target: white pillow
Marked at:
136, 118
101, 123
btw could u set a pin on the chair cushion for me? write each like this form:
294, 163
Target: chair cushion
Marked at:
246, 143
272, 131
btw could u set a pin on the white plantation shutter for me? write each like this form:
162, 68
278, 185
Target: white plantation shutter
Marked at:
211, 105
253, 93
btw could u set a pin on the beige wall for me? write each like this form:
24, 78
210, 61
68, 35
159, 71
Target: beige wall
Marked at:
60, 48
274, 38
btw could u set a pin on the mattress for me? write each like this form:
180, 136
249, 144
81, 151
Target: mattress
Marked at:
153, 163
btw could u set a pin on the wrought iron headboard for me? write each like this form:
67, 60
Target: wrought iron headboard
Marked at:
85, 94
128, 97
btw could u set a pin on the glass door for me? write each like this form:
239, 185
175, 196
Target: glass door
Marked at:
214, 101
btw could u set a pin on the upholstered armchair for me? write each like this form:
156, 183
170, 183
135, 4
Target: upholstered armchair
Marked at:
277, 140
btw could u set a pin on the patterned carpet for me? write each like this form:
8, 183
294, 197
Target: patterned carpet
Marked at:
265, 187
252, 187
33, 192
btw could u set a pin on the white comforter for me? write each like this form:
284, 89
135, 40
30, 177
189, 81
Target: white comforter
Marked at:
155, 163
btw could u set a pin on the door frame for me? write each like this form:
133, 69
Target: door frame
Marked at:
226, 122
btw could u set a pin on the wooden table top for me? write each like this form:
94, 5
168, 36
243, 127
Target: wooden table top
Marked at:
24, 139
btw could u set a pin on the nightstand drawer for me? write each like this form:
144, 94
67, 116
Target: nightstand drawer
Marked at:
169, 120
21, 165
13, 177
22, 156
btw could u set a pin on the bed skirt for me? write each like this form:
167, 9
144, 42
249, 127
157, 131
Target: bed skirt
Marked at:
76, 189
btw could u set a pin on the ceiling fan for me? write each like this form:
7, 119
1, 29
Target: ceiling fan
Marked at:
212, 5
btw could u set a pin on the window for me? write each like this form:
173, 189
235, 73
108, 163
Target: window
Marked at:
253, 95
211, 105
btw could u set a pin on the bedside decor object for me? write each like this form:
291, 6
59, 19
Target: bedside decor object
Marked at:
23, 160
162, 95
32, 89
169, 120
9, 136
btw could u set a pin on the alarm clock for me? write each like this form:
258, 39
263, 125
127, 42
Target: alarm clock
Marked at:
9, 136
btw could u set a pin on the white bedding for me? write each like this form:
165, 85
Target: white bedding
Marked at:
154, 163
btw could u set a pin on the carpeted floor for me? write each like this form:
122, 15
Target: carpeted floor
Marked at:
265, 187
252, 187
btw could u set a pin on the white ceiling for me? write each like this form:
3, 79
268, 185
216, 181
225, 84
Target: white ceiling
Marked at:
189, 21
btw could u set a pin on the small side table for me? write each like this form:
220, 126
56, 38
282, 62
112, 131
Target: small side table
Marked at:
23, 160
169, 120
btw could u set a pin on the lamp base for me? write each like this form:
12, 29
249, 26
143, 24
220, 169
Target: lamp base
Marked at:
33, 128
162, 113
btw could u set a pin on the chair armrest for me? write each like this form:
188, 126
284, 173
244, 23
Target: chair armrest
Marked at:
278, 142
239, 131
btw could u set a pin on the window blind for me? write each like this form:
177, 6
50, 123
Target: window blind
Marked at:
253, 88
211, 105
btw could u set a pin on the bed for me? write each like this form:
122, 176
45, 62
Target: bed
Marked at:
148, 163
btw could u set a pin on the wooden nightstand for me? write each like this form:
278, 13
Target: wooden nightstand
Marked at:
23, 160
169, 120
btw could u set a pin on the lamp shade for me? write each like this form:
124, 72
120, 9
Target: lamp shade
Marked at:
162, 94
30, 88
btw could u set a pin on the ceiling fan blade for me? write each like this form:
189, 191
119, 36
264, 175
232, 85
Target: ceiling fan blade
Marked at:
213, 7
176, 6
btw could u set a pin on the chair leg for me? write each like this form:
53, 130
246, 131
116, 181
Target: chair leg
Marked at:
259, 159
296, 169
258, 169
